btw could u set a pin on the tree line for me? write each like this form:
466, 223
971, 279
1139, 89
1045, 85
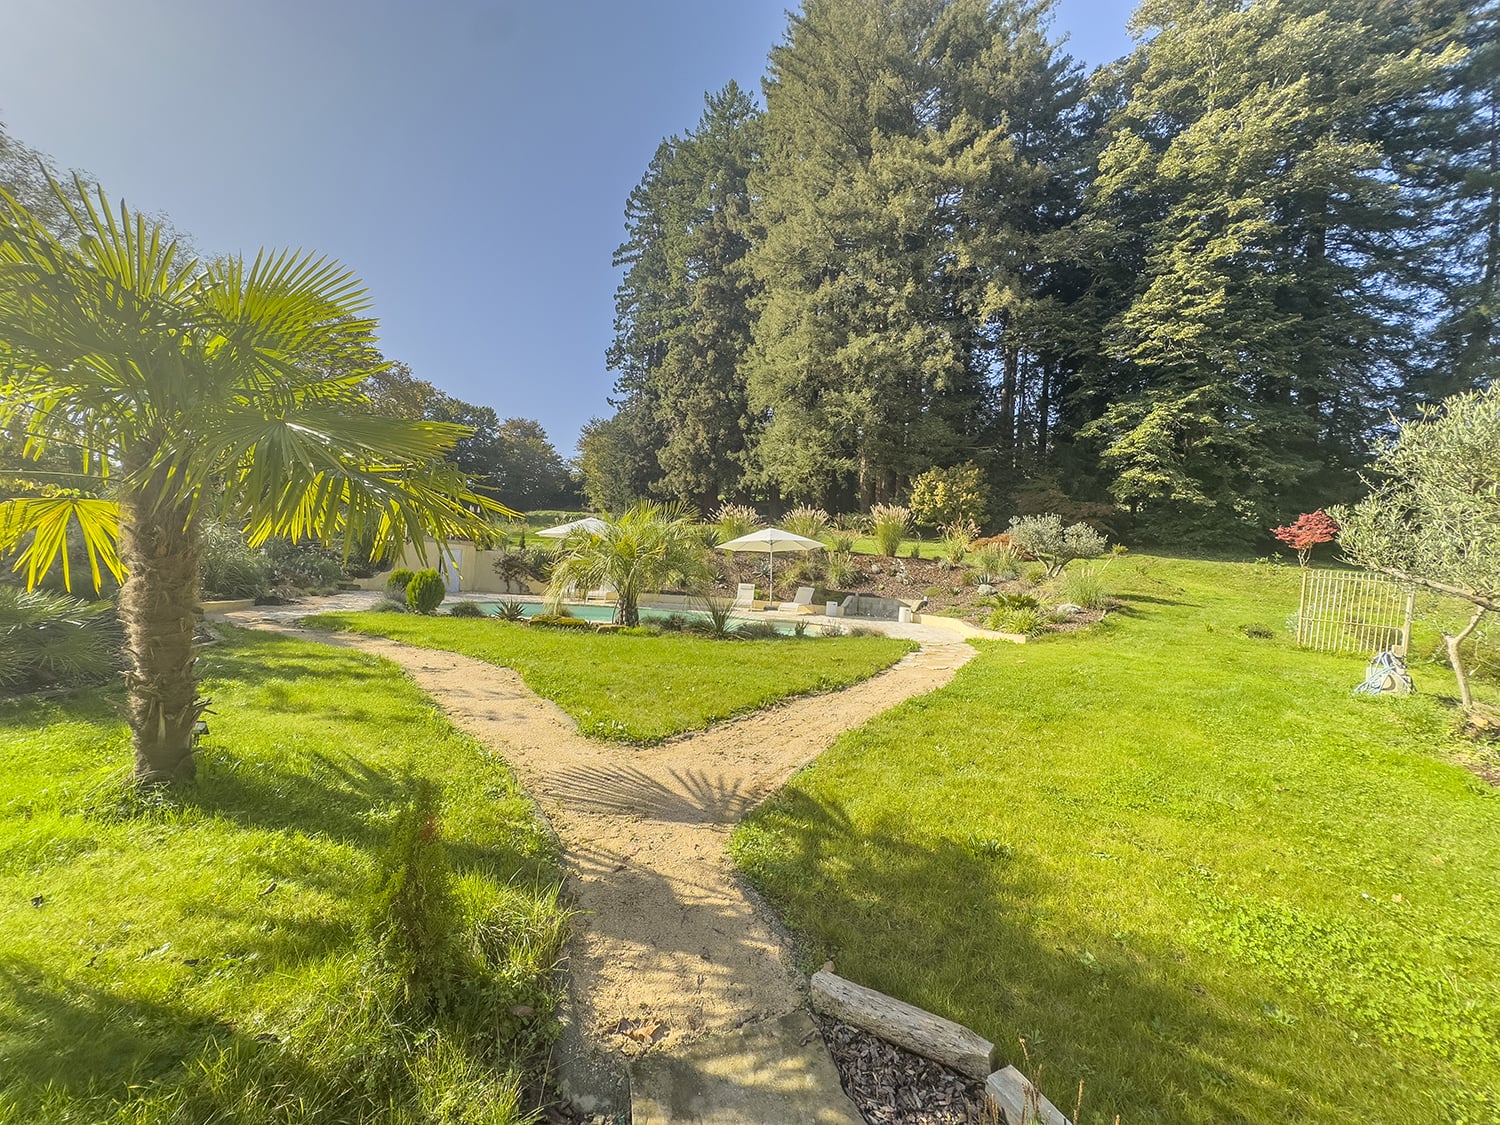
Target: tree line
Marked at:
1193, 285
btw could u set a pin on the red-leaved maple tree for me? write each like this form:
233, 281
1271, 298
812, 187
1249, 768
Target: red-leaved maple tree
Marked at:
1310, 529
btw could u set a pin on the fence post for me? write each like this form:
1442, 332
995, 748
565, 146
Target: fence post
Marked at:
1411, 611
1302, 607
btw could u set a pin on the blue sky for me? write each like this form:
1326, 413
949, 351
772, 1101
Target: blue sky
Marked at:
469, 160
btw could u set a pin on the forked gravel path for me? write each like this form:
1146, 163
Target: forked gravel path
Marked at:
666, 945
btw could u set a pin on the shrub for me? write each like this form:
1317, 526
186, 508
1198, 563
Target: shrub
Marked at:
811, 522
958, 537
1083, 586
389, 605
53, 640
833, 629
733, 520
944, 496
228, 568
839, 570
1018, 601
757, 631
558, 621
305, 566
1025, 621
396, 582
424, 593
510, 611
465, 609
516, 565
1045, 539
414, 913
889, 524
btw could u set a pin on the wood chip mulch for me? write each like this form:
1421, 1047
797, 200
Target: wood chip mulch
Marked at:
890, 1086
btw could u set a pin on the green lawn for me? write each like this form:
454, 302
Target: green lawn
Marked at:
207, 956
641, 689
1185, 864
927, 549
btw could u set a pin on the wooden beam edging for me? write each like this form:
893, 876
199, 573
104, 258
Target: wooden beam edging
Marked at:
936, 1038
903, 1024
1021, 1102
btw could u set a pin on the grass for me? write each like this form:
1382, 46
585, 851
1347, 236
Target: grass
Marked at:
929, 549
636, 688
1187, 866
207, 955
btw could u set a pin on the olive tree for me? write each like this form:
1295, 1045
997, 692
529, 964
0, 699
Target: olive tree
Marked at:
1432, 517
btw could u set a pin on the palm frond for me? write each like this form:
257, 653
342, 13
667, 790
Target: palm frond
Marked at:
41, 523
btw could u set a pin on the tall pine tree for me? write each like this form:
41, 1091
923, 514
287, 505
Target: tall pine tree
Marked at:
683, 310
1252, 168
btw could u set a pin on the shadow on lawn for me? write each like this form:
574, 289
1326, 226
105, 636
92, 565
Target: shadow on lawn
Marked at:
957, 927
89, 1043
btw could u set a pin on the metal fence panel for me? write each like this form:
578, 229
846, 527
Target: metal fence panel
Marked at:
1354, 611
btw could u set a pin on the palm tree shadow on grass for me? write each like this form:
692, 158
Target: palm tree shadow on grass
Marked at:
957, 926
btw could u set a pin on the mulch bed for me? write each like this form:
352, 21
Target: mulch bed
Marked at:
890, 1086
943, 586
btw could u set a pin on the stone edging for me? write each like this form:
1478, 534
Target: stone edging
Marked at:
936, 1038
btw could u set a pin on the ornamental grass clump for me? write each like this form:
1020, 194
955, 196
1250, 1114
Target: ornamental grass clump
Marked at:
424, 593
958, 538
995, 563
889, 524
733, 520
811, 523
51, 640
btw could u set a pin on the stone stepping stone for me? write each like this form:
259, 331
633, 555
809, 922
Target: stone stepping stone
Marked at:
775, 1070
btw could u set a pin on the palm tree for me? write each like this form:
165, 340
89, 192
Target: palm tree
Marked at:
644, 549
194, 390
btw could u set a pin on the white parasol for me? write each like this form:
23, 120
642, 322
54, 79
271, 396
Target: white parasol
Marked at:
768, 541
591, 524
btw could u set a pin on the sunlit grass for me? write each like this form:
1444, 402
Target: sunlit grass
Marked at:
636, 688
1187, 865
204, 955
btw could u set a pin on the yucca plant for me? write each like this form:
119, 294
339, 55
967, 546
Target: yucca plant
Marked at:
195, 390
889, 524
510, 611
806, 521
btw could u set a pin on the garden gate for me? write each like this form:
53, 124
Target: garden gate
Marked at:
1354, 611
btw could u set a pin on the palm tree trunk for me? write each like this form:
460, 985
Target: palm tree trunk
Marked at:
158, 607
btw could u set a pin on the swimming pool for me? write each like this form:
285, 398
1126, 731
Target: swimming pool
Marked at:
607, 613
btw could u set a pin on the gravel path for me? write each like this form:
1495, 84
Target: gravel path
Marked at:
666, 945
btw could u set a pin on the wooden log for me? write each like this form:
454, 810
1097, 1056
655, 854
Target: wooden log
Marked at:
1020, 1101
905, 1025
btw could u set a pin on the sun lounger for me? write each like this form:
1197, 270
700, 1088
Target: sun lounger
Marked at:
746, 601
802, 603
